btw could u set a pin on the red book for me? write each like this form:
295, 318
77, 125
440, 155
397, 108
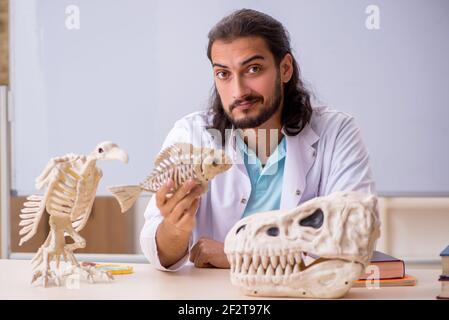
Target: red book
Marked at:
389, 267
444, 278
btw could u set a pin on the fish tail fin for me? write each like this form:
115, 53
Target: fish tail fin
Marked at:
125, 195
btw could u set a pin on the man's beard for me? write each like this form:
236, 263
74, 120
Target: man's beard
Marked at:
266, 111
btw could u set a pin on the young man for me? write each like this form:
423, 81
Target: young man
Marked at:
289, 151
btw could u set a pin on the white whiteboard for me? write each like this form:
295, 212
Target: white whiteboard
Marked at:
134, 67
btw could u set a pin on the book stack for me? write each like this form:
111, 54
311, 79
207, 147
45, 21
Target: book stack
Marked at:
444, 278
389, 271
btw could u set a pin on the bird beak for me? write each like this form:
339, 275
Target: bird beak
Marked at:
118, 154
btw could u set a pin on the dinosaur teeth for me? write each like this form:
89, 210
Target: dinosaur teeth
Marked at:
279, 271
246, 261
296, 268
270, 271
265, 261
256, 260
297, 256
260, 271
283, 261
291, 258
252, 270
288, 270
230, 258
269, 266
238, 263
274, 260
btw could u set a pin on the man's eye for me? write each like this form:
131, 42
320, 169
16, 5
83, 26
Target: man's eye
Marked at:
254, 69
221, 74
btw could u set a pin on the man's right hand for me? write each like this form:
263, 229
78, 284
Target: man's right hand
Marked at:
179, 210
173, 234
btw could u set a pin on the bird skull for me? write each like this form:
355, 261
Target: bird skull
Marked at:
266, 250
109, 151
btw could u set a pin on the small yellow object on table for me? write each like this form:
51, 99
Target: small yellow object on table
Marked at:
112, 268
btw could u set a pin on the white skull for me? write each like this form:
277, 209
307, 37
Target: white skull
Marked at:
265, 249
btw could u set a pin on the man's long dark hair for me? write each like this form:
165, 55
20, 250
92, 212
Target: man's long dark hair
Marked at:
297, 109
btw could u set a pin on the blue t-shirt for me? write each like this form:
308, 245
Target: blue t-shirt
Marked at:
266, 182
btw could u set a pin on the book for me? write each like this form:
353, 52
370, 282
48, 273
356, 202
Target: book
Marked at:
407, 280
445, 261
444, 277
389, 266
444, 294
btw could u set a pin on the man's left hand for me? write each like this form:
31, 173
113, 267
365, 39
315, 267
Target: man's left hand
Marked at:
208, 253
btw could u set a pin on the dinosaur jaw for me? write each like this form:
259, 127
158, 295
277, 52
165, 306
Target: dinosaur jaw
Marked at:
287, 275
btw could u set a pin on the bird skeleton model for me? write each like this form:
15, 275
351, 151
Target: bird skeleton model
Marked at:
71, 182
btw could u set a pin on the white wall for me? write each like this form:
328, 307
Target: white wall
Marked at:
134, 67
415, 229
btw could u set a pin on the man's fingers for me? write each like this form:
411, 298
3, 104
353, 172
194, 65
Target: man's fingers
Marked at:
197, 262
161, 194
179, 195
193, 252
197, 256
188, 217
185, 204
191, 211
202, 261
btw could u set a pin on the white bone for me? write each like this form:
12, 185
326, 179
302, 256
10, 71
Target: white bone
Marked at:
288, 270
28, 210
265, 262
260, 271
31, 204
71, 183
179, 162
341, 229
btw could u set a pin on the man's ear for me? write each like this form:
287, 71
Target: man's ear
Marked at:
286, 68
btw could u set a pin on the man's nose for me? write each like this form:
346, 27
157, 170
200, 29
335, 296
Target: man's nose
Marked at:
239, 89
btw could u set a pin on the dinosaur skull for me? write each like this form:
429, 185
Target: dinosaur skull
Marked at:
266, 250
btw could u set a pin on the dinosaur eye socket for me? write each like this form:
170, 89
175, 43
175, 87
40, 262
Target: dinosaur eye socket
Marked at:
100, 150
242, 227
214, 163
273, 231
315, 220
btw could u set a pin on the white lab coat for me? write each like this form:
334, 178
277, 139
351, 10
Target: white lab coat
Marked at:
327, 155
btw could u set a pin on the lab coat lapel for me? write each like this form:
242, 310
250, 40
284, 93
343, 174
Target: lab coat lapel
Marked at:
299, 159
235, 154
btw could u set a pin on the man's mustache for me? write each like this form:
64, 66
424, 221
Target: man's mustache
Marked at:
250, 99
